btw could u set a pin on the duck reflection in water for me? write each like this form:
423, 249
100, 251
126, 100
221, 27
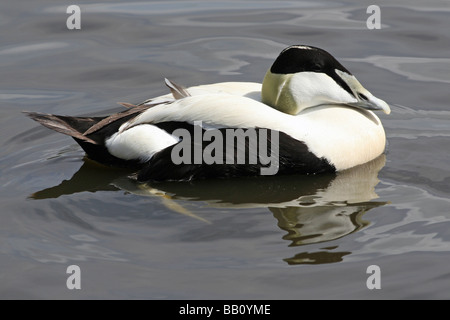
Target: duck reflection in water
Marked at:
309, 208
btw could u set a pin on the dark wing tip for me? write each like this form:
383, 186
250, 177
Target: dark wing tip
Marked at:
177, 91
34, 115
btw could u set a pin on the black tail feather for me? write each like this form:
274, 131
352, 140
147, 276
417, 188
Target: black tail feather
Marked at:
94, 143
71, 126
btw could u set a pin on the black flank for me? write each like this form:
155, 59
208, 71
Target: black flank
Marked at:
294, 157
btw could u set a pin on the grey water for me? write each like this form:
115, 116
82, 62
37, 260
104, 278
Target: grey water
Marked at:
295, 237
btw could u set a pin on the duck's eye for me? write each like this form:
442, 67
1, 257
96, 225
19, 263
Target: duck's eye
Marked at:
363, 97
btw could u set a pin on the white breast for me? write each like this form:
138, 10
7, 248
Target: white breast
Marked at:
347, 137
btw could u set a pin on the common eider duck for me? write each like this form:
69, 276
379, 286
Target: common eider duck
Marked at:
309, 116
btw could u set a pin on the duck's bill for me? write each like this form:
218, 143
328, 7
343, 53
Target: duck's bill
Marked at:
365, 100
373, 104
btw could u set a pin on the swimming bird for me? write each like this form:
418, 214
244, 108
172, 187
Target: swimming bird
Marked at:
310, 115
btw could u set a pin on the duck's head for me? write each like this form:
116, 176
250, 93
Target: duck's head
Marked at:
303, 77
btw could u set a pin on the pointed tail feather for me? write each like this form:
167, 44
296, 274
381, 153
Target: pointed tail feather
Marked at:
93, 144
71, 126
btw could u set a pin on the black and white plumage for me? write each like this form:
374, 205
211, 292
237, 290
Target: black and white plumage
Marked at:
319, 113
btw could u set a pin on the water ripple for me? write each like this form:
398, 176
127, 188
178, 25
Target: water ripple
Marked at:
413, 68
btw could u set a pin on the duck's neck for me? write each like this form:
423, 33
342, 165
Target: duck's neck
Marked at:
275, 93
